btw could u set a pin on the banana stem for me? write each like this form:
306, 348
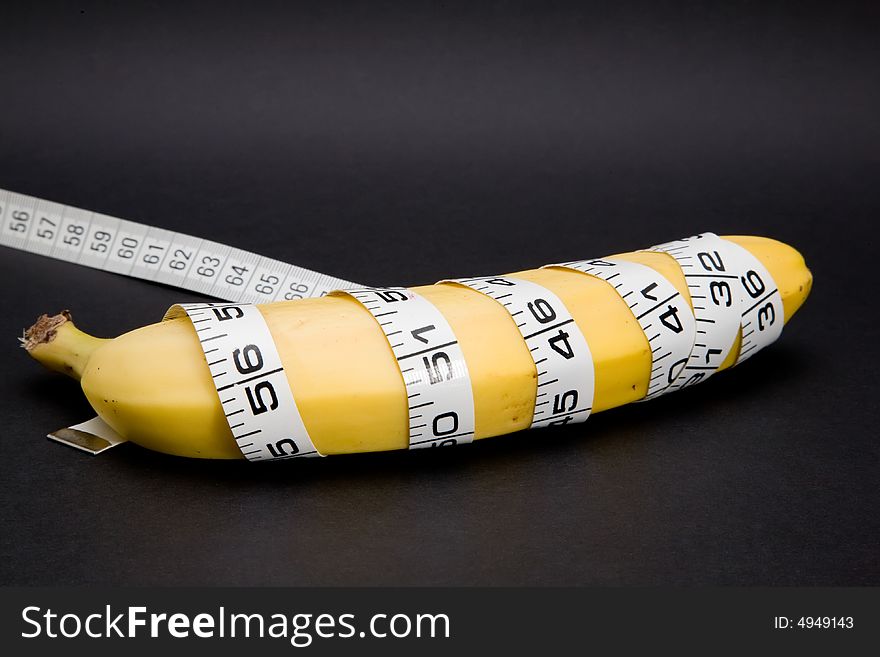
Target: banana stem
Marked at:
55, 342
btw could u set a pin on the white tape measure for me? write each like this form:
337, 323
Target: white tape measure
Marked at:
659, 308
730, 291
438, 386
565, 373
761, 306
250, 379
133, 249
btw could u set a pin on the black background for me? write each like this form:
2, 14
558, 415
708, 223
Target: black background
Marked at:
402, 144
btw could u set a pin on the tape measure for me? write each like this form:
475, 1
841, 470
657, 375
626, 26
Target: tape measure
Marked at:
563, 362
730, 292
154, 254
438, 386
661, 311
250, 380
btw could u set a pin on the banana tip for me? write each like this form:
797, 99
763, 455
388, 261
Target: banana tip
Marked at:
44, 330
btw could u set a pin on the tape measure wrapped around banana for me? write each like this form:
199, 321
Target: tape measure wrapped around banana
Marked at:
373, 369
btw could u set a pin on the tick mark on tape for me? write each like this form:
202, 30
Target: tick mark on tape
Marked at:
425, 351
548, 328
251, 378
455, 435
657, 305
759, 302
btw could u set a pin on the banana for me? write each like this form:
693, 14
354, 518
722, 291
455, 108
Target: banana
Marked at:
152, 385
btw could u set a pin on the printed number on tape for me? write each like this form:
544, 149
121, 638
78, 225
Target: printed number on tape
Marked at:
141, 251
761, 310
565, 384
730, 290
709, 266
659, 308
250, 379
438, 385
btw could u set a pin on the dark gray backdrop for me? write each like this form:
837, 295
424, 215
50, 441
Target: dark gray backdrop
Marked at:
398, 145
